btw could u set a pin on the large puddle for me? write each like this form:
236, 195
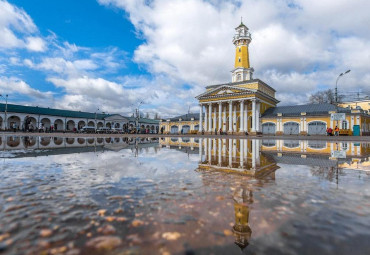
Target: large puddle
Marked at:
183, 196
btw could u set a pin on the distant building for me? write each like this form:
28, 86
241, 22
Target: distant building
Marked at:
359, 104
66, 120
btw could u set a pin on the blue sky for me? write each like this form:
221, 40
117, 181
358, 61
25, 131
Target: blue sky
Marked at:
113, 54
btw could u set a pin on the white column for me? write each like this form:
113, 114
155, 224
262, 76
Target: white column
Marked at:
234, 148
254, 149
253, 115
234, 118
224, 147
241, 149
219, 152
230, 116
200, 150
209, 151
224, 119
246, 117
205, 118
214, 120
214, 148
210, 118
230, 152
241, 116
219, 115
258, 106
200, 118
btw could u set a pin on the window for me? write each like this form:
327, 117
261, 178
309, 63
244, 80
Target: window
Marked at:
240, 49
344, 125
239, 77
239, 60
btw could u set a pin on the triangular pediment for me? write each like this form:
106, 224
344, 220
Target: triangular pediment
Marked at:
224, 90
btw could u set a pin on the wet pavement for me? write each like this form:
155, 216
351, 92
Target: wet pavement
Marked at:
183, 196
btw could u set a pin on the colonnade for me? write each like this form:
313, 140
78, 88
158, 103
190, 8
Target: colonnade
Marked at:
230, 116
230, 153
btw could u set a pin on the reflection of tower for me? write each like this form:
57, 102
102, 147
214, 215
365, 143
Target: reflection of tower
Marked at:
241, 229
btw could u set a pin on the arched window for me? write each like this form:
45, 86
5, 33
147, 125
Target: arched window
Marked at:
239, 77
239, 60
240, 49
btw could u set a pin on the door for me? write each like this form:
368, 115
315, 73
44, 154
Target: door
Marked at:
291, 128
268, 128
317, 128
356, 130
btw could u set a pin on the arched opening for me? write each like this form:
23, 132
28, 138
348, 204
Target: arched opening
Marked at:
291, 128
13, 141
81, 124
196, 127
117, 125
108, 140
99, 140
45, 141
29, 123
58, 125
185, 129
58, 140
29, 141
116, 140
268, 128
45, 124
90, 140
70, 140
291, 143
100, 124
91, 124
269, 143
152, 129
70, 125
174, 130
316, 144
1, 122
14, 122
316, 128
108, 125
81, 140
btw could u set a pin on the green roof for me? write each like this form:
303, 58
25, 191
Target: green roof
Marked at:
50, 111
144, 120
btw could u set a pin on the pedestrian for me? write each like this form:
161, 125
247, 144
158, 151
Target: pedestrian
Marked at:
215, 131
51, 128
161, 130
220, 131
327, 131
182, 131
336, 131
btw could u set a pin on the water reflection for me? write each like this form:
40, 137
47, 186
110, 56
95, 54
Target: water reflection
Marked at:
182, 196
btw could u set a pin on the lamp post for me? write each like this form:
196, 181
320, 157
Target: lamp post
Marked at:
336, 86
138, 115
6, 110
96, 127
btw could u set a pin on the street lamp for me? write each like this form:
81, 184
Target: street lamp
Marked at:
336, 86
96, 128
138, 115
6, 110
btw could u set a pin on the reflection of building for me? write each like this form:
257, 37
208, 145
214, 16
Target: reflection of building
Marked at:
66, 120
234, 156
54, 144
241, 229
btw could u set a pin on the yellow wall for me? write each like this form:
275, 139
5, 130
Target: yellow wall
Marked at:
242, 53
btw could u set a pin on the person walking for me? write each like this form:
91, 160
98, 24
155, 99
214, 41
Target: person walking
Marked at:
215, 131
220, 131
336, 131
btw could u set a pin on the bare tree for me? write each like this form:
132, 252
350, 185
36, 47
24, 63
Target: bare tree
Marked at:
156, 116
324, 96
147, 115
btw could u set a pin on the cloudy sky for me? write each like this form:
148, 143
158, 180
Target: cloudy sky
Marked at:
113, 54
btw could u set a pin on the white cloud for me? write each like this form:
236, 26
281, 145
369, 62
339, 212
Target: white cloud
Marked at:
297, 46
15, 27
35, 44
13, 85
